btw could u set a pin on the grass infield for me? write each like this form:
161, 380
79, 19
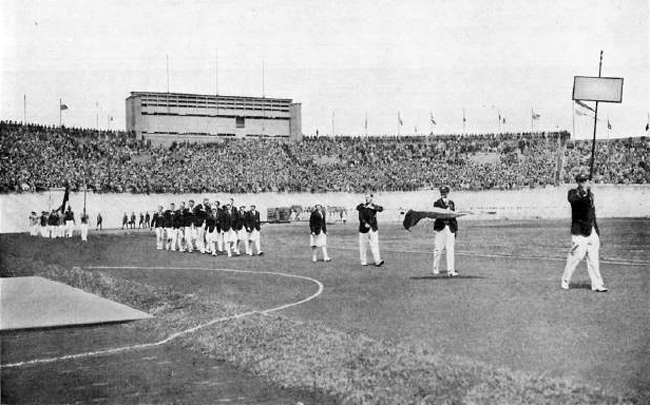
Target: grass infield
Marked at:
502, 333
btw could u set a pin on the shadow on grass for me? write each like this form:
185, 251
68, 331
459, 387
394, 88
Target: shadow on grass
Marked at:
578, 286
445, 277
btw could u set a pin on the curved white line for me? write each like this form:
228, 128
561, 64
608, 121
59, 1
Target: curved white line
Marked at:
183, 332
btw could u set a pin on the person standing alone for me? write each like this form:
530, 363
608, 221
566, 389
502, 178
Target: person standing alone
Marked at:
369, 230
585, 238
318, 235
445, 230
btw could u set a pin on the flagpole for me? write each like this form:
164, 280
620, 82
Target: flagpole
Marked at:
593, 142
532, 120
263, 84
399, 118
464, 120
366, 124
24, 109
573, 108
60, 110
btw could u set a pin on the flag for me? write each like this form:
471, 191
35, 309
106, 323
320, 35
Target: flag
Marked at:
111, 118
413, 217
583, 113
503, 120
609, 125
647, 126
66, 198
365, 124
583, 105
535, 115
499, 118
399, 119
433, 121
416, 129
63, 107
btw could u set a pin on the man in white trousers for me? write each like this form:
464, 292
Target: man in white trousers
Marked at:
584, 235
369, 230
318, 233
84, 225
445, 231
253, 227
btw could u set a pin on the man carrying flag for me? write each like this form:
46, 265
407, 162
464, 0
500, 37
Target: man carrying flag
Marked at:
445, 234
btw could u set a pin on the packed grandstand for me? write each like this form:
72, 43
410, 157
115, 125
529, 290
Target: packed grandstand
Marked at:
36, 158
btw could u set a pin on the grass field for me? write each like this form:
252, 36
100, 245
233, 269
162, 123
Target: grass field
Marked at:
505, 313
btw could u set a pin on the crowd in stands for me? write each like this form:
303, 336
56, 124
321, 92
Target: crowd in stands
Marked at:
38, 157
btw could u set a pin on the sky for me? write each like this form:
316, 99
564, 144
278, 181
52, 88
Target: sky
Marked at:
342, 60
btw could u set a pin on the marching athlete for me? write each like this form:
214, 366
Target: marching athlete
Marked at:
253, 226
158, 223
169, 225
585, 240
68, 219
369, 230
445, 234
318, 233
84, 225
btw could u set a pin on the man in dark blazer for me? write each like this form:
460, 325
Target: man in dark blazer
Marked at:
585, 239
253, 228
369, 230
318, 233
445, 238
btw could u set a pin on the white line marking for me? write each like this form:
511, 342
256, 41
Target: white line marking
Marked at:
184, 332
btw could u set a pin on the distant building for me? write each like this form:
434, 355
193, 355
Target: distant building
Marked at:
168, 117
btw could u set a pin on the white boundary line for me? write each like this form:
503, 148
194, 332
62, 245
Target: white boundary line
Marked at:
505, 255
183, 332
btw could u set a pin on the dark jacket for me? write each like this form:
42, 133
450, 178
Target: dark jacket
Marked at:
368, 216
238, 220
583, 213
440, 223
226, 219
317, 222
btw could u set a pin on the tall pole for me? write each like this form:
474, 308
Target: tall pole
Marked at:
24, 109
593, 142
464, 121
263, 89
333, 133
97, 115
573, 113
532, 120
399, 123
60, 117
167, 73
216, 72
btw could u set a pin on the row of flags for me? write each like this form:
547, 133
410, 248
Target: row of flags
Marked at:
501, 118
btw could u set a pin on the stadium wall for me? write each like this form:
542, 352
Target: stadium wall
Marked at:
546, 203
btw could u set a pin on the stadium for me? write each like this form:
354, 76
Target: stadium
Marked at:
135, 307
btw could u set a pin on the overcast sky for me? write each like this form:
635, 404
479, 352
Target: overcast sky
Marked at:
341, 59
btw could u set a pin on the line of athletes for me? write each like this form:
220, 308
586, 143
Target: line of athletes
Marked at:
208, 228
58, 224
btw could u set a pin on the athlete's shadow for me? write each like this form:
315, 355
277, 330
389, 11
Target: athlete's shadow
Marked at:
443, 277
580, 285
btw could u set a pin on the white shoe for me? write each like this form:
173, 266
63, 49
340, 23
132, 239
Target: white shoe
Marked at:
314, 260
327, 259
436, 272
565, 286
600, 289
452, 273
